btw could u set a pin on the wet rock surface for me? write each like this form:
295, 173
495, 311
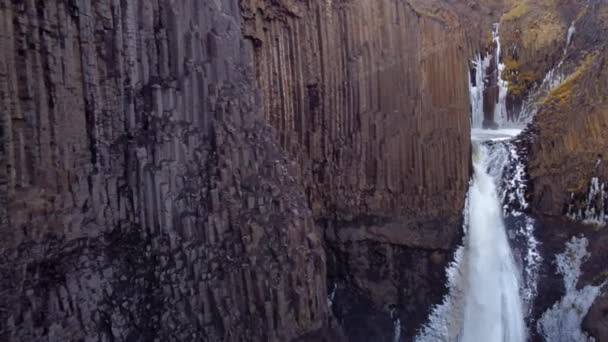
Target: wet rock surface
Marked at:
269, 170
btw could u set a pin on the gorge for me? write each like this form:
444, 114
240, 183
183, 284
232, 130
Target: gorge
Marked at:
303, 170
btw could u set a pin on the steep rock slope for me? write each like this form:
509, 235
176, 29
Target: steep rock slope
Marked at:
561, 48
370, 99
568, 91
141, 196
534, 35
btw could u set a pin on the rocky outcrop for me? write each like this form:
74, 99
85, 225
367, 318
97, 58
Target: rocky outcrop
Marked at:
534, 35
570, 136
559, 60
370, 99
142, 196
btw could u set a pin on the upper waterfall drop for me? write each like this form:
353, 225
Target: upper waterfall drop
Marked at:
488, 90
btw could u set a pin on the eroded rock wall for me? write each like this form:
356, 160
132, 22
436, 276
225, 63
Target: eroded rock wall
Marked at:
569, 128
370, 99
142, 196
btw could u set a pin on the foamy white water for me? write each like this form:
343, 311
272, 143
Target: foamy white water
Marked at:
484, 301
492, 302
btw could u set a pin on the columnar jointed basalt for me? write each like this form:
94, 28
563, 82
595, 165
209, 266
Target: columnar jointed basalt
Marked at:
370, 99
142, 198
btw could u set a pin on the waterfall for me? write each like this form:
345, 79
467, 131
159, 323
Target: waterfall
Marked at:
482, 79
492, 303
484, 301
477, 88
500, 111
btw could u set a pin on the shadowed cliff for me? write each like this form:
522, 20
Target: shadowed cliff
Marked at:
230, 170
143, 197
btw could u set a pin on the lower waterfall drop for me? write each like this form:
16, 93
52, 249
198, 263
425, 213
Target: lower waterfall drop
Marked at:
485, 301
492, 303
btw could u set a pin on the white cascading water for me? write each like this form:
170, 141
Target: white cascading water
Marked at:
493, 308
500, 111
490, 295
476, 90
479, 83
562, 322
484, 303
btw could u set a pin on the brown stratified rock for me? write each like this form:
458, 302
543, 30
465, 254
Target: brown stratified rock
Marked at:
370, 99
142, 198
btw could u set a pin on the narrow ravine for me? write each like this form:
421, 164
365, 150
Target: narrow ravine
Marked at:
490, 289
494, 279
486, 282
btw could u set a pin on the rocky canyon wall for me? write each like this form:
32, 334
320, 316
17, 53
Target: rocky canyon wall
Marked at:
142, 196
556, 57
218, 170
370, 99
563, 44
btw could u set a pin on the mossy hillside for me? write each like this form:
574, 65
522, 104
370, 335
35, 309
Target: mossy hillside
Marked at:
520, 80
526, 49
562, 93
517, 10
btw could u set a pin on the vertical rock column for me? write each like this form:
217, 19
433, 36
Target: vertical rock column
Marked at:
370, 98
141, 195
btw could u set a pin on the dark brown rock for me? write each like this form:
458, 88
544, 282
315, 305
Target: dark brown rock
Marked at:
569, 135
370, 99
143, 198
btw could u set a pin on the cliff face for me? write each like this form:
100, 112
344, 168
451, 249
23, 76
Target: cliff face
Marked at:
370, 99
567, 48
179, 170
534, 35
568, 89
142, 196
362, 94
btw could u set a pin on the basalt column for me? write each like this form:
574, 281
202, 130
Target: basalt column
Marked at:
141, 196
370, 99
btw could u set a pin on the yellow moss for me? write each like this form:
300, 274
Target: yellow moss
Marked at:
517, 11
529, 76
561, 94
579, 187
519, 81
542, 22
510, 63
